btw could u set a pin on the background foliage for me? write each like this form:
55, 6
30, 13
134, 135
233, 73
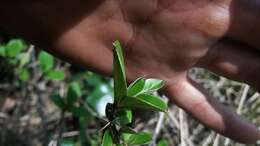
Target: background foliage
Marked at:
36, 89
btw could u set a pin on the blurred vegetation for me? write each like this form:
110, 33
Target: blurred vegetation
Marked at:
35, 87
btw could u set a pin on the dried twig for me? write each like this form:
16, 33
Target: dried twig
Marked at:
216, 141
209, 139
182, 133
243, 99
158, 126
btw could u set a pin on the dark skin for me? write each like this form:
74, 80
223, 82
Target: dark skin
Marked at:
162, 39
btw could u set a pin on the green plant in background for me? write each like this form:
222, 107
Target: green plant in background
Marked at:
71, 103
12, 48
46, 62
118, 130
14, 58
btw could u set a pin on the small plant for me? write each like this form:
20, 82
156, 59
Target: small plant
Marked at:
13, 58
118, 130
46, 62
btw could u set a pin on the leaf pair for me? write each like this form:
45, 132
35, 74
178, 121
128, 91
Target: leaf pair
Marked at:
46, 62
142, 86
139, 95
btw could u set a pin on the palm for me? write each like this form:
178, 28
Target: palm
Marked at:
162, 39
172, 38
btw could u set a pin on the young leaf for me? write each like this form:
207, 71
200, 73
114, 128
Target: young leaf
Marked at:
119, 73
46, 61
163, 142
152, 85
138, 139
74, 93
124, 117
136, 87
107, 139
58, 101
14, 47
56, 75
144, 101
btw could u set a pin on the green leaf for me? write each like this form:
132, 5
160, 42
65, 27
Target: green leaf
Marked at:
2, 51
126, 129
107, 139
138, 139
163, 142
79, 111
145, 101
56, 75
120, 89
126, 136
58, 101
67, 143
74, 93
24, 74
14, 47
136, 87
46, 61
124, 117
152, 85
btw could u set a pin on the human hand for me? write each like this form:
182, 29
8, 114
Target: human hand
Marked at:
162, 39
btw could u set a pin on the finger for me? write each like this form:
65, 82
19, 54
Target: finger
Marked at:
193, 99
235, 61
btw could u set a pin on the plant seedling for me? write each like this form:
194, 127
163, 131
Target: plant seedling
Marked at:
118, 130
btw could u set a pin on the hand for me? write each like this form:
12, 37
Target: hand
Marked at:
162, 39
